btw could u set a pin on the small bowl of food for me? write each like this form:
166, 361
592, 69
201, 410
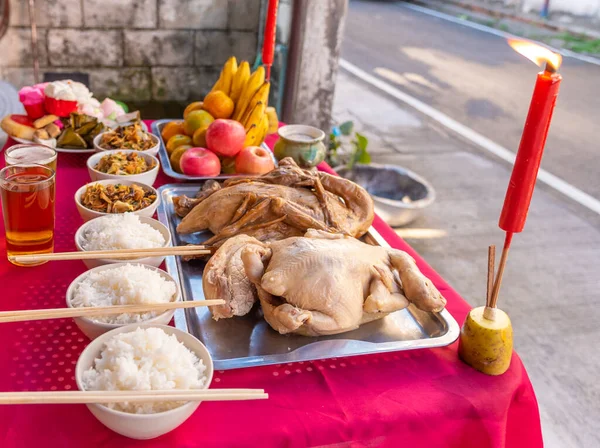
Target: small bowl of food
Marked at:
105, 197
132, 136
121, 284
144, 357
122, 231
123, 164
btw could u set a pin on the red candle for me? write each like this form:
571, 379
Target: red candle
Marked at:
529, 156
269, 37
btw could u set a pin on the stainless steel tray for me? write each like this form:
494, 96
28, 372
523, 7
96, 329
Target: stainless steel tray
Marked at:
249, 341
157, 127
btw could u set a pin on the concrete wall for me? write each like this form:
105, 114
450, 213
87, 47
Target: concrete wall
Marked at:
132, 49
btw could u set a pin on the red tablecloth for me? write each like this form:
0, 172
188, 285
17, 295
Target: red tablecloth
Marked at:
422, 398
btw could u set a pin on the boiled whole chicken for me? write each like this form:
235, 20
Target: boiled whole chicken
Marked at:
282, 203
318, 284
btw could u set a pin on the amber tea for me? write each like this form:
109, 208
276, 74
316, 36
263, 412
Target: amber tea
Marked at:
28, 193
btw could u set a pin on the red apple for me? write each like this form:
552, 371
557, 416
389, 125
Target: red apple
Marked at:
200, 162
254, 160
225, 137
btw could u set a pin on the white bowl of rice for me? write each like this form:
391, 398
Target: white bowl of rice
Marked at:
144, 357
122, 231
121, 284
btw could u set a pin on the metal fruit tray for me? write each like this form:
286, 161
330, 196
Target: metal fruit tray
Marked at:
157, 127
249, 341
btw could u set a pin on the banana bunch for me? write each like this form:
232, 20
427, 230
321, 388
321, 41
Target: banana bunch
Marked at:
225, 80
250, 95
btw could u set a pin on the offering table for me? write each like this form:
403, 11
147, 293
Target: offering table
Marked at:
411, 398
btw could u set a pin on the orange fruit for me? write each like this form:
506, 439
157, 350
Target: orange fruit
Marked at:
199, 138
177, 140
195, 120
176, 157
172, 128
196, 105
218, 104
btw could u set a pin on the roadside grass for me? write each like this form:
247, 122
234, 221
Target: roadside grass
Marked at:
580, 44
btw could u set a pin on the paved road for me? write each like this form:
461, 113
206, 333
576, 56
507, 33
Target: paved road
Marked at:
475, 78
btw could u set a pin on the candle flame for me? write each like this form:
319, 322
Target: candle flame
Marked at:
536, 53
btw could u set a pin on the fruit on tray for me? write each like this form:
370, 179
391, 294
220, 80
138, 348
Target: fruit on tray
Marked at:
235, 114
172, 128
200, 162
260, 98
254, 160
199, 138
484, 344
240, 95
176, 141
239, 81
196, 105
256, 127
19, 126
273, 120
218, 104
225, 137
196, 120
256, 80
228, 165
176, 157
225, 80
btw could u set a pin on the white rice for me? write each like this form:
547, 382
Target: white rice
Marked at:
145, 359
120, 231
129, 284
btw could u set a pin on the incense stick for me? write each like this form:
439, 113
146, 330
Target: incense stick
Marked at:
490, 273
503, 258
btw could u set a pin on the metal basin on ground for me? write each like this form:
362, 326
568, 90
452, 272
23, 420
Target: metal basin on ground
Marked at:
399, 195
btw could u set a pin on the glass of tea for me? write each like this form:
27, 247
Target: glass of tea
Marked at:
28, 192
38, 154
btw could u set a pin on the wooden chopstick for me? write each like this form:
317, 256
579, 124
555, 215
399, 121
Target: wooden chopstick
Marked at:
73, 397
59, 313
112, 254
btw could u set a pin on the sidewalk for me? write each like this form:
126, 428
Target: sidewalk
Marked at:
560, 30
551, 277
557, 21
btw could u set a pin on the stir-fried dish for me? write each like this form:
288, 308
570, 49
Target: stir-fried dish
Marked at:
116, 198
127, 137
123, 164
